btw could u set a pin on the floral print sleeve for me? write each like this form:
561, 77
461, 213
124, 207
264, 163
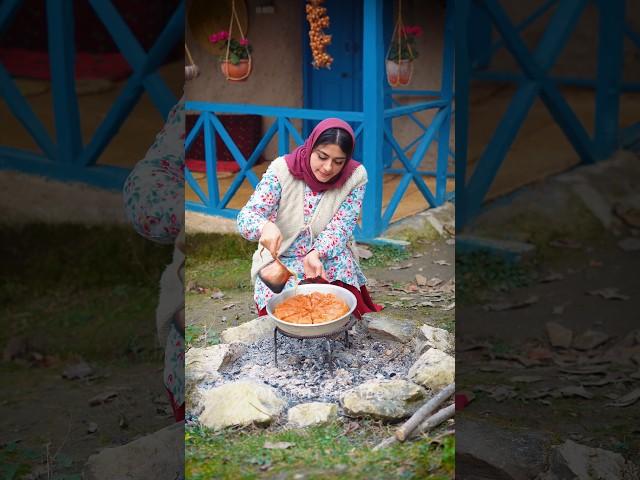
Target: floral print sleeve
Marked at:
261, 207
333, 239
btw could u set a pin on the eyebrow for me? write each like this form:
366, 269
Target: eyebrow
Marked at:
327, 155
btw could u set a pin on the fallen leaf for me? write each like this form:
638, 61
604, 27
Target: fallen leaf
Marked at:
609, 293
228, 306
626, 400
363, 252
552, 277
629, 244
559, 336
498, 307
540, 353
401, 267
451, 306
565, 243
102, 398
421, 280
589, 339
441, 262
418, 255
575, 391
78, 370
351, 426
432, 282
558, 309
217, 295
278, 445
595, 263
92, 427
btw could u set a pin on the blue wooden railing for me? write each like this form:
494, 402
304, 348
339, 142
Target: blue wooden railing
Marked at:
67, 158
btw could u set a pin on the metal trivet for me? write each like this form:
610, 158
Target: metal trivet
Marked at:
328, 338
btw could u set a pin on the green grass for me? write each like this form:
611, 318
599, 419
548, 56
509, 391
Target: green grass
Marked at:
478, 274
77, 290
319, 452
384, 255
219, 261
194, 336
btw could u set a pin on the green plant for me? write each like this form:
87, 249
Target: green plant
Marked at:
237, 49
403, 46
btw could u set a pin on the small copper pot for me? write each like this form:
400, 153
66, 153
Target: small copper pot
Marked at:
275, 275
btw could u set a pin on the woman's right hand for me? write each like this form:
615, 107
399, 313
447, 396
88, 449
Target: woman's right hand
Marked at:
271, 238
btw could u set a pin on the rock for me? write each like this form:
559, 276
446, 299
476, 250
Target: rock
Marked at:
314, 413
249, 332
596, 203
386, 328
589, 339
434, 369
159, 456
559, 336
384, 399
204, 363
77, 371
437, 338
485, 451
239, 404
572, 460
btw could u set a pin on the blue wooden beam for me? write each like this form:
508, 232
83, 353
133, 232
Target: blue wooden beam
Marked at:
60, 25
23, 112
102, 176
211, 159
241, 175
271, 111
569, 80
233, 148
446, 86
610, 65
193, 183
372, 115
415, 107
535, 67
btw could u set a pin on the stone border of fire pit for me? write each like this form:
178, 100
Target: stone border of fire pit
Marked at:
243, 402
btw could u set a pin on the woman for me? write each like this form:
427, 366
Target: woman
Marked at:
304, 211
154, 204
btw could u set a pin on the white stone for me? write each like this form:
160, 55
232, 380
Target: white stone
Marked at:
249, 332
572, 460
159, 456
384, 399
437, 338
204, 363
386, 328
239, 404
313, 413
434, 369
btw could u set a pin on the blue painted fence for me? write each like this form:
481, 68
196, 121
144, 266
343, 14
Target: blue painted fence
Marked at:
67, 158
534, 81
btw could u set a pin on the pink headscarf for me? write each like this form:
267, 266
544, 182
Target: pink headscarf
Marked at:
299, 164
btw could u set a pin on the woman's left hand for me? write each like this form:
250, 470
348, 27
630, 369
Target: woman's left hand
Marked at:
313, 265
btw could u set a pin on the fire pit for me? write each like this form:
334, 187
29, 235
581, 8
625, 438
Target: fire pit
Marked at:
328, 330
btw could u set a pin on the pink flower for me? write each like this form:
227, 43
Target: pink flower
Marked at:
244, 42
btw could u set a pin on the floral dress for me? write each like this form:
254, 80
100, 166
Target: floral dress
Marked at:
154, 204
331, 243
154, 191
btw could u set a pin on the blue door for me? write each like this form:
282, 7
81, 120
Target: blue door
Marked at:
340, 88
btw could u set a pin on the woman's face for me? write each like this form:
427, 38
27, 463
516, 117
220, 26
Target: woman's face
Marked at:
327, 161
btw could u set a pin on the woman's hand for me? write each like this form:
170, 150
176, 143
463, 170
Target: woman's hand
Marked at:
271, 238
313, 267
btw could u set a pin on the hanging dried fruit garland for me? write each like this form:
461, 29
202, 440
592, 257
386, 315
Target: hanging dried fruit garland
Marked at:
318, 20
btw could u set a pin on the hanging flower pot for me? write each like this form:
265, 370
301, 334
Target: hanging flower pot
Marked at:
236, 73
235, 61
402, 51
399, 72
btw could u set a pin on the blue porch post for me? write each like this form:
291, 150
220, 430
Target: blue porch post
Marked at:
373, 113
62, 60
446, 89
463, 70
610, 63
